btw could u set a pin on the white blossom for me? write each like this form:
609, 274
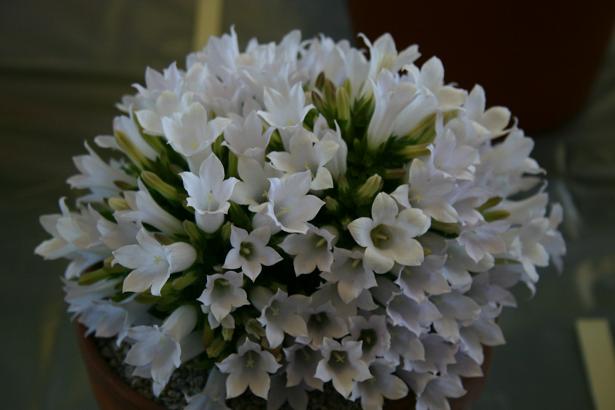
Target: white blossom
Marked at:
247, 137
289, 206
152, 263
213, 396
350, 274
341, 364
250, 251
311, 250
285, 107
209, 193
160, 348
389, 235
383, 385
282, 315
223, 293
302, 362
249, 367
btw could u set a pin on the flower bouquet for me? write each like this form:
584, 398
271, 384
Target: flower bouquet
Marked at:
304, 216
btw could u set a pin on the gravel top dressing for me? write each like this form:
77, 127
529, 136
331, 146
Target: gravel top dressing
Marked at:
188, 381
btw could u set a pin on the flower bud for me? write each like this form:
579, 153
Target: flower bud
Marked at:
118, 204
216, 347
131, 151
414, 151
369, 189
332, 205
154, 182
496, 215
343, 104
227, 333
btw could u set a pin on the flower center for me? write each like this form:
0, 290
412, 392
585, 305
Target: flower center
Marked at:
369, 339
318, 320
381, 236
157, 259
338, 359
246, 249
250, 359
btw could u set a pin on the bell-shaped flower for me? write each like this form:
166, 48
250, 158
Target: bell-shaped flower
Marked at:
350, 274
249, 367
338, 164
223, 293
483, 239
457, 310
159, 349
311, 250
253, 185
166, 104
289, 205
391, 96
419, 282
383, 385
383, 54
213, 396
144, 209
307, 152
73, 236
285, 106
389, 235
432, 391
152, 263
430, 80
416, 317
115, 235
128, 127
97, 176
302, 361
484, 331
373, 334
452, 157
490, 122
246, 138
281, 315
190, 133
250, 251
429, 190
281, 392
406, 347
209, 193
323, 321
341, 364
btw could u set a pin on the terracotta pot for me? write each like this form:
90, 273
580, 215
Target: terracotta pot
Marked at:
539, 58
112, 393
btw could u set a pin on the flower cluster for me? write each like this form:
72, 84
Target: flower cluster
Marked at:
305, 213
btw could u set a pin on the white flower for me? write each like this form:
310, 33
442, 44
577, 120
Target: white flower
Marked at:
342, 365
128, 127
373, 334
432, 391
74, 236
384, 55
323, 321
488, 122
301, 365
483, 239
281, 315
416, 317
454, 159
383, 385
245, 137
253, 186
390, 98
209, 193
389, 235
152, 262
280, 393
249, 367
455, 308
429, 190
190, 133
250, 251
285, 107
314, 249
306, 152
165, 105
223, 293
98, 176
404, 345
144, 209
213, 396
289, 205
350, 274
160, 348
422, 281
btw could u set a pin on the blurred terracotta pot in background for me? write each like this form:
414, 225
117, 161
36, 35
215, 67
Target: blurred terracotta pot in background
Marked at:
538, 58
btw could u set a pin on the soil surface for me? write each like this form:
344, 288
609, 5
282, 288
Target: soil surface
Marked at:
188, 381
